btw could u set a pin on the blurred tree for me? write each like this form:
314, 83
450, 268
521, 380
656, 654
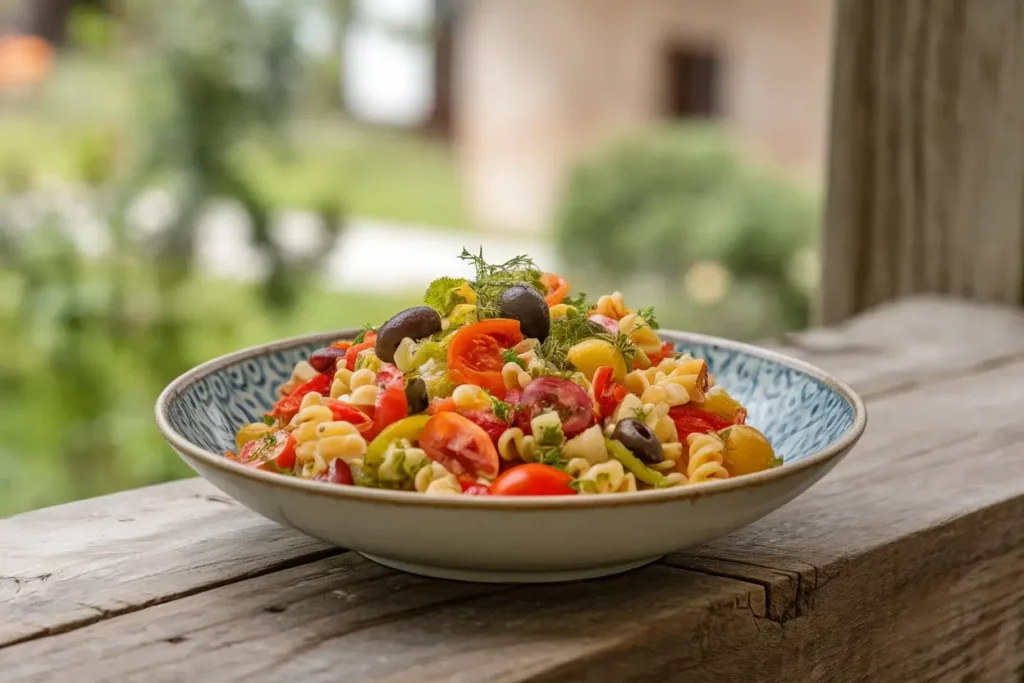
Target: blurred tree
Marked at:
94, 322
679, 207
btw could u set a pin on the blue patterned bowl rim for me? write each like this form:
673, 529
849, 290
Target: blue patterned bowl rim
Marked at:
834, 450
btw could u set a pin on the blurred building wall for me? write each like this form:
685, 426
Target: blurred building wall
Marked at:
540, 82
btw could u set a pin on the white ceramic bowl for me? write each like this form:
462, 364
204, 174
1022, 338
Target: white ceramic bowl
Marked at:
811, 418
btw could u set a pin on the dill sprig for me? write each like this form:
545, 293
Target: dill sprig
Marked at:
572, 329
493, 279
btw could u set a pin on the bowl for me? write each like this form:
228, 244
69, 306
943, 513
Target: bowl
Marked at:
811, 418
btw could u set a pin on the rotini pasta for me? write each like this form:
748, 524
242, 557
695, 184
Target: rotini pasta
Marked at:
706, 455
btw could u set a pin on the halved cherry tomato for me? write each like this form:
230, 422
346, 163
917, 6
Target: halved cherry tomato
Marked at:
287, 407
275, 452
533, 479
474, 354
690, 420
441, 405
558, 288
568, 399
338, 472
488, 422
607, 392
369, 341
345, 412
667, 349
474, 489
461, 446
391, 404
609, 324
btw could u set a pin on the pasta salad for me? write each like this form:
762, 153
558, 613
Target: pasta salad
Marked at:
506, 385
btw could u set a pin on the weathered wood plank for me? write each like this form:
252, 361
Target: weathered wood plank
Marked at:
912, 545
926, 169
344, 618
74, 564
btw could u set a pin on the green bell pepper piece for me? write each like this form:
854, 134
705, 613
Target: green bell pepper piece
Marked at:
633, 464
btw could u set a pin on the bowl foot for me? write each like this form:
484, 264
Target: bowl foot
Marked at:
510, 576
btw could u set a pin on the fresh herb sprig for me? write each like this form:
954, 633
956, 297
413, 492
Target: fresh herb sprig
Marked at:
572, 329
492, 280
647, 313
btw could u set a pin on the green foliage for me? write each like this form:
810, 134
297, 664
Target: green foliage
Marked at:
442, 294
648, 208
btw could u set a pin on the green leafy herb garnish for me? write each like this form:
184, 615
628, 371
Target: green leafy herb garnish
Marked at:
626, 347
493, 279
647, 313
510, 356
501, 410
578, 302
443, 294
641, 414
362, 333
777, 461
269, 420
553, 457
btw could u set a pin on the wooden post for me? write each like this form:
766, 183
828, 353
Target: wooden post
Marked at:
926, 168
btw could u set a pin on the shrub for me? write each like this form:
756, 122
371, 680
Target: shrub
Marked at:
650, 207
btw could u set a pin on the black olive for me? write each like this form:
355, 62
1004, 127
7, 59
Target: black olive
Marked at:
527, 305
326, 359
416, 323
639, 439
416, 395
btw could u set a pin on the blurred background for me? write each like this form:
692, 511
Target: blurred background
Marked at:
181, 179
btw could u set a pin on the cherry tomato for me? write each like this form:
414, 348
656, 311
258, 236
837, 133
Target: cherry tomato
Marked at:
369, 341
474, 354
690, 420
607, 323
287, 407
275, 451
345, 412
607, 392
391, 404
667, 349
474, 489
461, 446
568, 399
487, 421
338, 472
558, 288
533, 479
441, 405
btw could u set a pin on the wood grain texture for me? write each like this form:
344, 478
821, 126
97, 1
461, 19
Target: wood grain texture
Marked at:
345, 618
74, 564
926, 168
903, 564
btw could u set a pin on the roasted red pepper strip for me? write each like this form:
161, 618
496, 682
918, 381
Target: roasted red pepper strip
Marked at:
690, 420
287, 407
608, 394
392, 404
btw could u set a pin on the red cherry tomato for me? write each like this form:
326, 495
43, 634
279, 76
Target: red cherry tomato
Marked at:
391, 404
474, 354
369, 341
287, 407
344, 412
474, 489
274, 451
338, 472
558, 288
533, 479
568, 399
607, 323
690, 420
441, 405
487, 421
607, 392
667, 349
461, 446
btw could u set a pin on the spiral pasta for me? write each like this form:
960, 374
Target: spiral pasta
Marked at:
612, 305
640, 333
434, 479
514, 444
606, 477
342, 383
707, 453
588, 446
